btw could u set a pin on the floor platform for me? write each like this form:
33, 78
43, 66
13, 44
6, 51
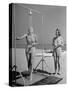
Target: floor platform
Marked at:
39, 79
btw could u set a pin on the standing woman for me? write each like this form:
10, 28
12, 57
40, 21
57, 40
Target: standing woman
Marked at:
57, 49
31, 41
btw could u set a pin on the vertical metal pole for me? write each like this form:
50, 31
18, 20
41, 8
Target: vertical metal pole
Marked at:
42, 40
42, 45
15, 43
30, 18
42, 65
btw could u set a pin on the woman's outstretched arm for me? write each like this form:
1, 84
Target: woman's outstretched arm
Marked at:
22, 37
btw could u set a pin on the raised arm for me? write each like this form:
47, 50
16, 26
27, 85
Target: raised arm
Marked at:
22, 37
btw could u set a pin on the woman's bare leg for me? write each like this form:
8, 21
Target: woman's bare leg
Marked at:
58, 65
55, 62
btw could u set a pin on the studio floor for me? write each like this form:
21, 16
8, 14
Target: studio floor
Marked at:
37, 78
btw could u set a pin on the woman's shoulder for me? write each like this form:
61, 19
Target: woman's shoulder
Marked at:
54, 38
60, 37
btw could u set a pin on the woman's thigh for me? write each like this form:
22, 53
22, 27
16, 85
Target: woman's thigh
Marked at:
59, 51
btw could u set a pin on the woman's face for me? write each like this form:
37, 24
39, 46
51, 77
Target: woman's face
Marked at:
57, 33
30, 30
